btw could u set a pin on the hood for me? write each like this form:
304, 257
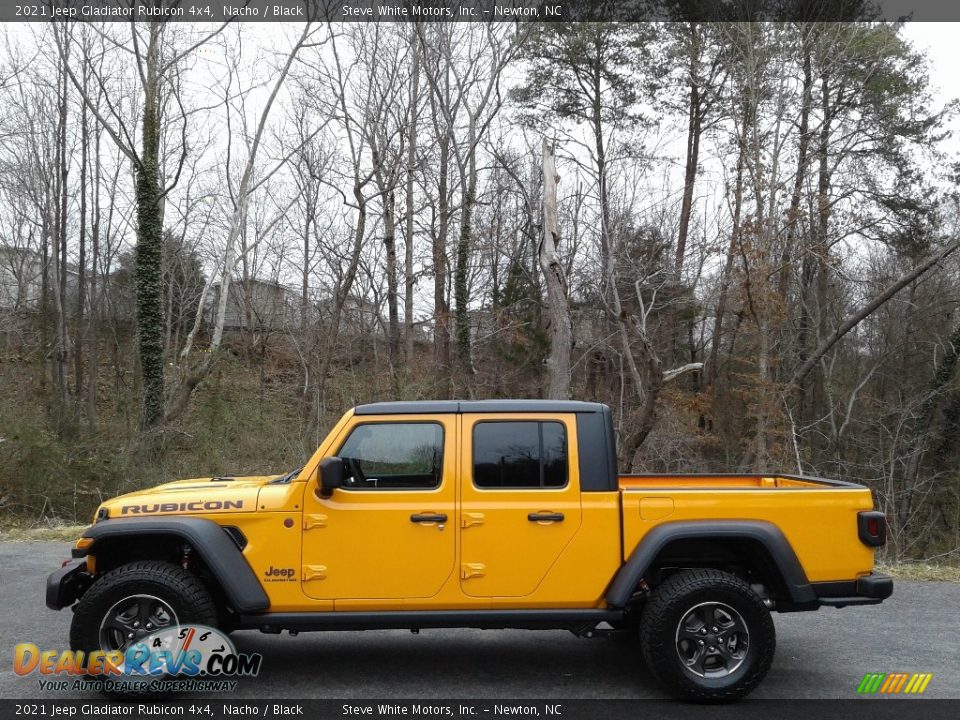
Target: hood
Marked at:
197, 496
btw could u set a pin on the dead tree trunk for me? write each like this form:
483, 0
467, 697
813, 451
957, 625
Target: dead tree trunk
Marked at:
561, 330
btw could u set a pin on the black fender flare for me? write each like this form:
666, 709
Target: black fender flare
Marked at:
768, 535
209, 540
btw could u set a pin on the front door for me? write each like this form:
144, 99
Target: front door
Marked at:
520, 500
389, 532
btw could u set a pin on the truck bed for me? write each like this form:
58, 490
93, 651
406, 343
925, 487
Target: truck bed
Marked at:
818, 517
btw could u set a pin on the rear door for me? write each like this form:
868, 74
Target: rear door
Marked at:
520, 500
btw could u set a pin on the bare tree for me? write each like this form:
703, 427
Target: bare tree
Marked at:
156, 67
477, 95
410, 209
561, 331
193, 372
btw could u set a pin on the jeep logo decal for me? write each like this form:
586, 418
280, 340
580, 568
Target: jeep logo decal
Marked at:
181, 507
272, 574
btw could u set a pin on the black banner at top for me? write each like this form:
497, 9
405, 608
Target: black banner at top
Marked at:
475, 10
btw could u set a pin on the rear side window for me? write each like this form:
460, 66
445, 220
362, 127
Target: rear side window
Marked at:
522, 454
393, 456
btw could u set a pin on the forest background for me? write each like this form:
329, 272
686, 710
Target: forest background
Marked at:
742, 236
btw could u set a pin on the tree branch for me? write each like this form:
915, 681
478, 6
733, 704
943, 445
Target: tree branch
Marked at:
861, 314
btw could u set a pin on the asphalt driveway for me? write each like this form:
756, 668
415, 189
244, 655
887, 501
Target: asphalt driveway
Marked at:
819, 655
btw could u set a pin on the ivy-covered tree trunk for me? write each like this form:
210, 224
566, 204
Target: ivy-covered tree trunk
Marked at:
149, 251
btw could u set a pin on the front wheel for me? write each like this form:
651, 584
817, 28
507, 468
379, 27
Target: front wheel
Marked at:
706, 635
135, 600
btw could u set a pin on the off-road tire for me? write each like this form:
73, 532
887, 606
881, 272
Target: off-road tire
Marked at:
176, 587
672, 601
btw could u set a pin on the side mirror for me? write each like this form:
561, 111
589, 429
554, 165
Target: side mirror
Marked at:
331, 475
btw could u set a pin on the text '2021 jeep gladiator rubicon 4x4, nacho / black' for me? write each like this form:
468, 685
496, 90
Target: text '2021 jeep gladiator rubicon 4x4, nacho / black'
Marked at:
491, 514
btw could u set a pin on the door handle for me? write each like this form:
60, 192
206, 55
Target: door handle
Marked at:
545, 517
428, 518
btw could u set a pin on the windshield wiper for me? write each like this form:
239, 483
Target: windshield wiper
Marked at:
286, 478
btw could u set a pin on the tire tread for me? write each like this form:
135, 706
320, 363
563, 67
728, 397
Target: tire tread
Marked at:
657, 631
157, 573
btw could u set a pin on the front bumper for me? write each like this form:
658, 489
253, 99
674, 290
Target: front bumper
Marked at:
869, 589
67, 584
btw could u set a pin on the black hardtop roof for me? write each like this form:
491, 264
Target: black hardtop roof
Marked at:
431, 407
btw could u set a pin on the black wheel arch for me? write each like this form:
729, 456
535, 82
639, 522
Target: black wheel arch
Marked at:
123, 540
757, 545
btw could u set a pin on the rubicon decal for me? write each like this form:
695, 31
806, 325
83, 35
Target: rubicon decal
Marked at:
181, 507
899, 683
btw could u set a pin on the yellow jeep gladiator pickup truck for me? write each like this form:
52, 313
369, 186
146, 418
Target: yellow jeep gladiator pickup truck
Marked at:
490, 514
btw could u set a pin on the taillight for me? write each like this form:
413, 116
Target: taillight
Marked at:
872, 528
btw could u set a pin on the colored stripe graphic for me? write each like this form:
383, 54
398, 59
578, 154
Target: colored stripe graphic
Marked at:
889, 683
870, 683
894, 683
901, 681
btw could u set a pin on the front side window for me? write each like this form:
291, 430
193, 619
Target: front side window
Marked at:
393, 456
522, 454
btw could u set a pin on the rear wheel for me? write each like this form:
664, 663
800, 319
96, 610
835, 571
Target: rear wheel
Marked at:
707, 635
